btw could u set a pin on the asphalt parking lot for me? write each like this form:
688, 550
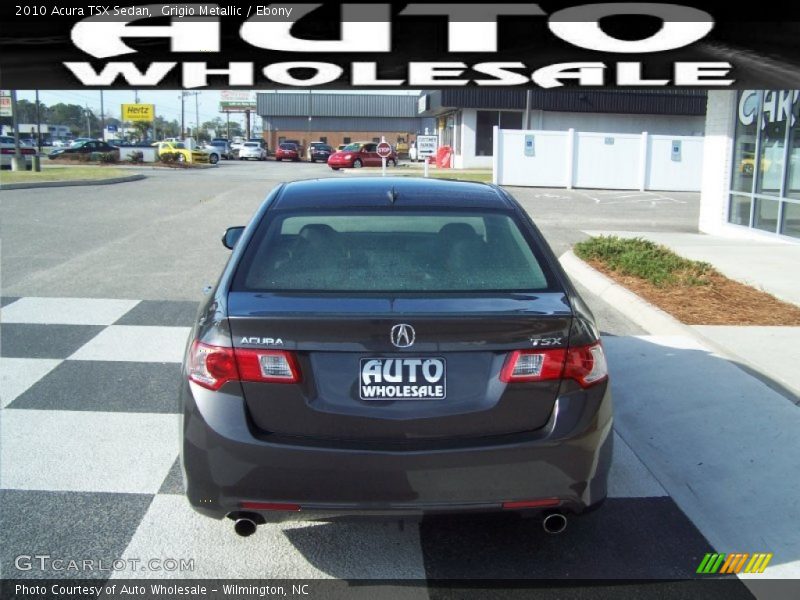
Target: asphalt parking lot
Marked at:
99, 289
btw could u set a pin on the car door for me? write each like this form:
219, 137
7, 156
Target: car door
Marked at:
370, 155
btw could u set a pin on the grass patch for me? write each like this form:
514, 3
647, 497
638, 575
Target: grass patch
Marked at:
452, 174
62, 174
644, 259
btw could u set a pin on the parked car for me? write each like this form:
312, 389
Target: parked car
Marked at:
393, 346
82, 139
252, 150
60, 142
287, 151
86, 146
360, 154
182, 154
222, 147
312, 146
319, 152
7, 150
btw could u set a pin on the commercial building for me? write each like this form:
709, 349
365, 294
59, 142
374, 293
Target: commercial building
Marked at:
49, 132
751, 183
465, 117
339, 118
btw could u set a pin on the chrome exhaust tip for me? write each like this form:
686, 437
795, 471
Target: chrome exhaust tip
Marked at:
244, 527
554, 523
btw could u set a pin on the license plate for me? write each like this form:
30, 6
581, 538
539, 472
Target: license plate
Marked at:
403, 379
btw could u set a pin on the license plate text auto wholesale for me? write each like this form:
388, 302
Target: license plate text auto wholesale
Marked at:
403, 379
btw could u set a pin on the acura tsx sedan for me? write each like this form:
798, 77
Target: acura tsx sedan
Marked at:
393, 347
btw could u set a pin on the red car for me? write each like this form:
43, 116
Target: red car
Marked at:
287, 151
360, 154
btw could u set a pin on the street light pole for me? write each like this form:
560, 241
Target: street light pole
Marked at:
183, 115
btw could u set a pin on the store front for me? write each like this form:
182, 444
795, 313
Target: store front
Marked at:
765, 170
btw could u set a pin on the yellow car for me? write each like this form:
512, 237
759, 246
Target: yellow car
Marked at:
180, 153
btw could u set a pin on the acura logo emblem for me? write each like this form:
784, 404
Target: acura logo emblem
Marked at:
403, 335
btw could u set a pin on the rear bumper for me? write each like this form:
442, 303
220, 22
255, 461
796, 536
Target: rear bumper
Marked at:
225, 464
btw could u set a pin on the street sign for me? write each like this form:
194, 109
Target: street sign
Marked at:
426, 145
384, 150
5, 106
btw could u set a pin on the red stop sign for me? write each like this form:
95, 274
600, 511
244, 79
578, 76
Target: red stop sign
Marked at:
384, 150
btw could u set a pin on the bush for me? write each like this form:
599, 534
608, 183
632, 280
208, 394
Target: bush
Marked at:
137, 156
168, 157
108, 158
644, 259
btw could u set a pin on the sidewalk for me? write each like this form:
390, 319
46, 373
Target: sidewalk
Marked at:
709, 410
767, 265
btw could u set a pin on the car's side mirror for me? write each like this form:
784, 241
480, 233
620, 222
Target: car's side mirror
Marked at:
231, 236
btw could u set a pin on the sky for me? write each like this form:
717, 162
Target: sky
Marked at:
168, 103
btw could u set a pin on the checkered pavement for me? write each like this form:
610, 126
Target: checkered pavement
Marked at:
89, 469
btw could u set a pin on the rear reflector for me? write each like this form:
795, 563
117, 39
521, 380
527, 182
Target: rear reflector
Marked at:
270, 506
213, 366
541, 503
584, 364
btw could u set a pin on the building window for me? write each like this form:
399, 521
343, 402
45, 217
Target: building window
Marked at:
484, 132
346, 140
765, 178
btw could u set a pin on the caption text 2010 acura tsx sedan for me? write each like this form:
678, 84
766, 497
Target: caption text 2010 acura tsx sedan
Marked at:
393, 347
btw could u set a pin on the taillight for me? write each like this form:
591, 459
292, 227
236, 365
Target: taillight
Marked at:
214, 366
273, 366
584, 364
533, 365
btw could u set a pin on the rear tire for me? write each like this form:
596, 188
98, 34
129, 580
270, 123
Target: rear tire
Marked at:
357, 164
213, 159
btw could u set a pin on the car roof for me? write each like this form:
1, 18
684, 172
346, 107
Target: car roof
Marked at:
408, 192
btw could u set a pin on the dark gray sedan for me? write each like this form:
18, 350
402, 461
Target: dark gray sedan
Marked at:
393, 347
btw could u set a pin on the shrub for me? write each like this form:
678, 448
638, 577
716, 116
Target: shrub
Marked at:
137, 156
644, 259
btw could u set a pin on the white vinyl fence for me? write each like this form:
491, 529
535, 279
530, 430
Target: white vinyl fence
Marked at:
612, 161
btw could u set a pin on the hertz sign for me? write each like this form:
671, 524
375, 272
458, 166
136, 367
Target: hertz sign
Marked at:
138, 112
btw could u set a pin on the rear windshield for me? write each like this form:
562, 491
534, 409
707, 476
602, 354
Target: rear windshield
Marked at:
252, 145
288, 147
397, 252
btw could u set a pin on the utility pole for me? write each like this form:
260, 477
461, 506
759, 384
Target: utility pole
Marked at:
228, 116
38, 124
102, 118
196, 115
17, 162
88, 123
183, 116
